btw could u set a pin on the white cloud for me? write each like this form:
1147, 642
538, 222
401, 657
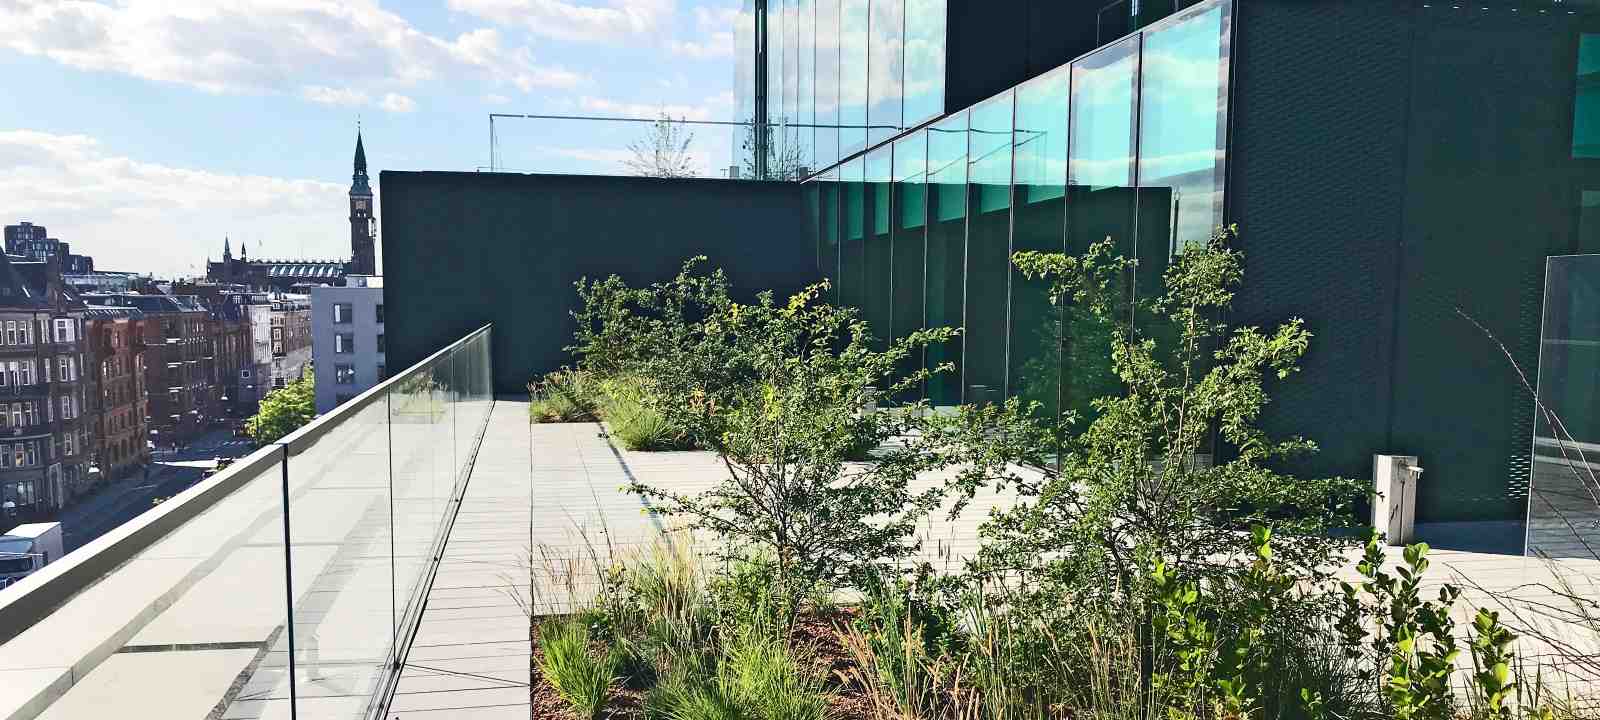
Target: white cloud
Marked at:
315, 48
715, 39
494, 99
397, 103
334, 96
605, 21
134, 215
604, 106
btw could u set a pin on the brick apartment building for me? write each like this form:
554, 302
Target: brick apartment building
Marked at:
116, 403
179, 363
44, 442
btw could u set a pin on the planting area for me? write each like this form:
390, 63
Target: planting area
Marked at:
1122, 540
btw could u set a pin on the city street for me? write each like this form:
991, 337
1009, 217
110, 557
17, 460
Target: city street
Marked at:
125, 499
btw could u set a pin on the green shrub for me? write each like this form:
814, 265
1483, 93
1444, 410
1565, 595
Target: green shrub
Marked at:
763, 673
634, 421
577, 675
563, 396
757, 678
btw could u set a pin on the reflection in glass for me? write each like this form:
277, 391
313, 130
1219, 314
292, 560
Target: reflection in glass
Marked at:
1039, 223
852, 251
1586, 106
827, 82
828, 239
744, 81
910, 207
1563, 517
811, 230
947, 234
988, 249
805, 84
852, 76
1183, 72
876, 309
775, 138
924, 60
1100, 205
886, 69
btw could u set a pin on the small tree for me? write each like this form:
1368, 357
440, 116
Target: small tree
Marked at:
1133, 483
663, 151
284, 410
780, 391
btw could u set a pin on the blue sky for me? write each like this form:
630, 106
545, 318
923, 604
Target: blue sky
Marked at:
144, 131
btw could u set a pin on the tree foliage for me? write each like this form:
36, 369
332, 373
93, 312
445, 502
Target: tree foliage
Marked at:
663, 151
778, 390
1098, 497
284, 410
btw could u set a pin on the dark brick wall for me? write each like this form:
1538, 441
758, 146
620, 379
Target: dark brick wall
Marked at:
1316, 183
1396, 164
464, 249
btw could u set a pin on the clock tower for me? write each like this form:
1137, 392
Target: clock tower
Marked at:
363, 254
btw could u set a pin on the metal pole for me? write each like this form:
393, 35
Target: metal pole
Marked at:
288, 583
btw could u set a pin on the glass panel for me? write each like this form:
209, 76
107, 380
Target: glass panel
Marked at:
852, 76
806, 37
1182, 121
1039, 223
287, 595
1586, 107
988, 249
852, 255
886, 70
828, 243
827, 85
924, 60
876, 303
910, 207
775, 64
947, 239
343, 536
1562, 514
744, 82
789, 150
1100, 205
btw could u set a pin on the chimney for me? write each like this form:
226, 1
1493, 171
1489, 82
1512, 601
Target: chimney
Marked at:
52, 278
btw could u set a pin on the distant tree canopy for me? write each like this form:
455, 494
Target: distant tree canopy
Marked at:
284, 410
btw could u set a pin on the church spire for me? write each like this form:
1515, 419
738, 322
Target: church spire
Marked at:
358, 179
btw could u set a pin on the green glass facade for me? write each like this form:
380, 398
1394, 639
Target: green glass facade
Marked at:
1095, 149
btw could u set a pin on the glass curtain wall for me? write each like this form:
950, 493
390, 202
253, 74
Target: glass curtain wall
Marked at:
909, 203
853, 64
1126, 144
827, 82
1101, 205
885, 69
1182, 125
744, 82
805, 85
842, 75
988, 249
946, 250
1039, 198
923, 87
876, 307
